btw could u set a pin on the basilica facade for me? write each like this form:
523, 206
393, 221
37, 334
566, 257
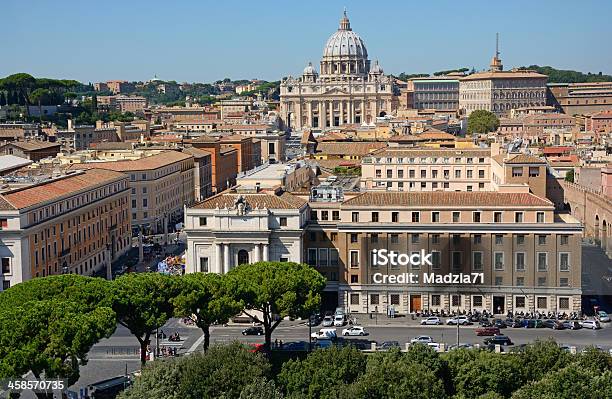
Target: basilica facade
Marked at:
348, 89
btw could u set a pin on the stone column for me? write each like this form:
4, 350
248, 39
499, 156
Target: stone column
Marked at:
165, 222
266, 255
310, 113
331, 113
140, 248
256, 255
218, 263
226, 258
341, 112
322, 114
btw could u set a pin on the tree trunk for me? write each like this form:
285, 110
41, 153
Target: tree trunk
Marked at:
206, 331
144, 343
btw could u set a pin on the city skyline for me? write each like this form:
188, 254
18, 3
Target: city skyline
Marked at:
288, 37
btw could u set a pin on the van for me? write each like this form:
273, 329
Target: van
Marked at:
325, 333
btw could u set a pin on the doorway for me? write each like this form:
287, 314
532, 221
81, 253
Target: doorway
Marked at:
243, 257
499, 304
415, 303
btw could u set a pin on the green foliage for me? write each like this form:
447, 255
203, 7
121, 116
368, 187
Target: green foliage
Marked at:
569, 76
205, 297
594, 359
568, 383
406, 77
482, 121
543, 357
442, 73
347, 170
261, 388
322, 373
569, 176
277, 290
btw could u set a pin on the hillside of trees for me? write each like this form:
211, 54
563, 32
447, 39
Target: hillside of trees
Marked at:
569, 76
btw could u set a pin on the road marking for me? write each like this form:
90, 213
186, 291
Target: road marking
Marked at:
196, 344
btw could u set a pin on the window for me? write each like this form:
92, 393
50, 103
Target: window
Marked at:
323, 257
477, 301
324, 215
6, 265
353, 237
477, 239
477, 260
423, 174
415, 217
394, 238
395, 299
481, 174
520, 239
375, 216
456, 259
374, 299
541, 240
564, 303
395, 217
540, 217
354, 258
144, 203
313, 215
3, 223
498, 260
415, 238
519, 302
133, 203
435, 300
519, 259
282, 221
312, 256
423, 184
333, 257
203, 221
541, 281
456, 239
564, 282
542, 261
457, 174
456, 217
497, 217
499, 239
411, 173
435, 238
334, 236
374, 238
335, 215
517, 171
541, 302
400, 174
355, 217
455, 300
204, 265
499, 280
534, 171
435, 217
469, 173
476, 217
520, 281
354, 297
389, 174
435, 259
564, 265
564, 240
518, 217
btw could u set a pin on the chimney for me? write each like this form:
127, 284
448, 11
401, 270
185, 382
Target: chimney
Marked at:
70, 124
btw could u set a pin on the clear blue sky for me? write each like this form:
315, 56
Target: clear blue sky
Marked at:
202, 40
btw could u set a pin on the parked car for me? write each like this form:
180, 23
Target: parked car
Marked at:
422, 339
253, 331
554, 324
533, 323
603, 317
323, 344
572, 325
256, 348
431, 321
339, 320
499, 323
498, 340
461, 346
355, 330
324, 333
339, 311
516, 323
386, 345
328, 321
462, 320
434, 345
592, 324
314, 320
484, 322
487, 331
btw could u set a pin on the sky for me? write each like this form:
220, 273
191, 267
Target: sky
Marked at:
207, 40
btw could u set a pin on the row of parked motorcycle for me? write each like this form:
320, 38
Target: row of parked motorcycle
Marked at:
476, 316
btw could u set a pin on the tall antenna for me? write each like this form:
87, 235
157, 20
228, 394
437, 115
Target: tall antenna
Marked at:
497, 45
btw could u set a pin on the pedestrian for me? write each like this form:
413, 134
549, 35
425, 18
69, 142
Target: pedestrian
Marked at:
276, 343
281, 343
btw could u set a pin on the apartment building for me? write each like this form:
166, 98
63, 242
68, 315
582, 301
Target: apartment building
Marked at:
82, 136
440, 93
34, 150
580, 98
427, 169
74, 223
248, 151
224, 161
160, 186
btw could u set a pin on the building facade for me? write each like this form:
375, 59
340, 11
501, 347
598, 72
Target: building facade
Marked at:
348, 89
440, 93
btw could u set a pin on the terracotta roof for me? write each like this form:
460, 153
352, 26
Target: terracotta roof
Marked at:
111, 145
235, 137
407, 138
259, 200
555, 150
205, 139
349, 148
147, 163
432, 152
55, 189
446, 198
523, 158
34, 145
434, 134
196, 152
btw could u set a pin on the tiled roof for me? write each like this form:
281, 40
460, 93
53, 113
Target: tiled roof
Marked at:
111, 145
235, 137
55, 189
34, 145
146, 163
259, 200
432, 152
524, 158
196, 152
446, 198
435, 134
350, 148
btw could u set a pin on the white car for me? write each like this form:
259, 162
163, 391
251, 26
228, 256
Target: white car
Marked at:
328, 321
431, 321
339, 320
603, 317
592, 324
355, 330
324, 333
462, 320
422, 339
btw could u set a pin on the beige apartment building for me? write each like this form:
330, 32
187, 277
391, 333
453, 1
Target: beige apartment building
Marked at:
427, 169
161, 185
73, 223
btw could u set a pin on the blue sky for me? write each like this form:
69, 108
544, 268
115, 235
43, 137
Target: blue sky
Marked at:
203, 40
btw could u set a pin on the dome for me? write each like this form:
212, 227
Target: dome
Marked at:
376, 69
345, 42
309, 70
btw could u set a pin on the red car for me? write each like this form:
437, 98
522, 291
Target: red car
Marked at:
487, 331
256, 348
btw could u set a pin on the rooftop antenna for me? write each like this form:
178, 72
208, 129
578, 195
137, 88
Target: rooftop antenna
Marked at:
497, 45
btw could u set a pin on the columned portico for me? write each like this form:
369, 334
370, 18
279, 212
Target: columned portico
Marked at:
226, 258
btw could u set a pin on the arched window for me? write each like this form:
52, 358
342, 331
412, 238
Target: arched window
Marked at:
243, 257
